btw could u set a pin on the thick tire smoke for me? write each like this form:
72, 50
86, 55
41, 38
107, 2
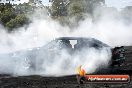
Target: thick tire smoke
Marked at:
54, 62
107, 29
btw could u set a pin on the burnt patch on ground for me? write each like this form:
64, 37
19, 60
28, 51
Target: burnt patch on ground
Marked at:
53, 82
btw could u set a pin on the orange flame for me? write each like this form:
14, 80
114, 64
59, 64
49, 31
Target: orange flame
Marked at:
81, 71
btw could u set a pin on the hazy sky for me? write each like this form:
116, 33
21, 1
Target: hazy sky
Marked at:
118, 3
112, 3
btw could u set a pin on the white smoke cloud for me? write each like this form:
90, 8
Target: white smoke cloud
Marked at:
108, 29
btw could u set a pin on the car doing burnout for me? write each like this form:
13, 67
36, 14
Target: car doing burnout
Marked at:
71, 44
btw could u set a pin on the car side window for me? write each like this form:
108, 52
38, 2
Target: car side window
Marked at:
54, 45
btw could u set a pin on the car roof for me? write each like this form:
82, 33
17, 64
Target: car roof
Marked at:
72, 38
82, 38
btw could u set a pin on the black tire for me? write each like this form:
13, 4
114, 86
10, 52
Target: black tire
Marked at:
82, 80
